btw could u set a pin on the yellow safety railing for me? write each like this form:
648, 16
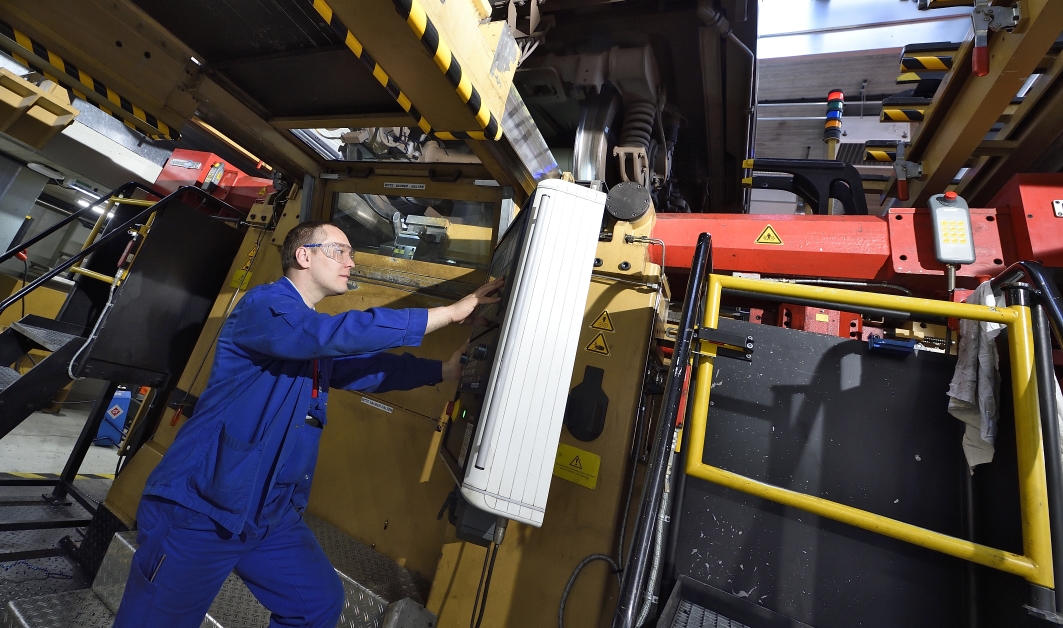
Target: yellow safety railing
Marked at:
100, 221
1035, 564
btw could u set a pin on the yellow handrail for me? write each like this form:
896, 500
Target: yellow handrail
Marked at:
1035, 564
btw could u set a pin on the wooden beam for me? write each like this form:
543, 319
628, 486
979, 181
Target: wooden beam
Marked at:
960, 120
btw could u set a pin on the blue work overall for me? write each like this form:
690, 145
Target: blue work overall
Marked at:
230, 492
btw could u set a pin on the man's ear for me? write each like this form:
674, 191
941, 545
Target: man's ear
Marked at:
302, 257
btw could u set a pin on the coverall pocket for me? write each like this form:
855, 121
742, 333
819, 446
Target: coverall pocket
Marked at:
228, 471
301, 461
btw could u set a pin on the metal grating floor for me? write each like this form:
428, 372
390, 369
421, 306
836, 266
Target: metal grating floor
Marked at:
8, 376
693, 616
47, 338
38, 576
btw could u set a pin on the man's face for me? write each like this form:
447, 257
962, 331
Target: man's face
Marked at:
330, 266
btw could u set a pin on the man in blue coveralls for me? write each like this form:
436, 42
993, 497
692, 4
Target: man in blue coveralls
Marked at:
231, 489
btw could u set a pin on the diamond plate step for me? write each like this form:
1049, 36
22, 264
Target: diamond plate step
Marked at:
74, 609
390, 597
8, 376
47, 338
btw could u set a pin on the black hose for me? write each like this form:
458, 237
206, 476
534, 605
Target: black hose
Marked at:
642, 540
485, 584
1046, 397
572, 580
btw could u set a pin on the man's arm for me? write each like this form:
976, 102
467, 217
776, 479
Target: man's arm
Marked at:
288, 330
461, 311
382, 372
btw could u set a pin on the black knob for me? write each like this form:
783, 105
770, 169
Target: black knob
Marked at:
480, 352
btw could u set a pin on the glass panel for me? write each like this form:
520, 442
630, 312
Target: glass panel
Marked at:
437, 230
399, 143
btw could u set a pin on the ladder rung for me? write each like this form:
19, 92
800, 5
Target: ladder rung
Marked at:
91, 273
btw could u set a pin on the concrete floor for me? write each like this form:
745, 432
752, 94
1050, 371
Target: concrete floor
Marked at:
42, 443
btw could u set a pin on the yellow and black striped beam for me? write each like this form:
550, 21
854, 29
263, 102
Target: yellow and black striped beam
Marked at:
879, 154
935, 63
427, 34
918, 76
389, 85
36, 57
901, 114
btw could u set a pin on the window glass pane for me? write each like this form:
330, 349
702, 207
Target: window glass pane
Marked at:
443, 231
403, 144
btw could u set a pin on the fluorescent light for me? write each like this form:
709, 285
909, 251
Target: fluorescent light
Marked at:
83, 202
195, 61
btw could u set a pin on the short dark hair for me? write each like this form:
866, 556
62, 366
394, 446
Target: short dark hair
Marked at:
301, 234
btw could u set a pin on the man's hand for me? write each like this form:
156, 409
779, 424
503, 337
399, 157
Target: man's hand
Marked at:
462, 311
452, 367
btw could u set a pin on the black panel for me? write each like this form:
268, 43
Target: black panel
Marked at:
280, 53
160, 308
823, 416
318, 82
225, 30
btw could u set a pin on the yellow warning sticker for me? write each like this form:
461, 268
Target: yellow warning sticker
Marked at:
241, 280
822, 318
603, 322
598, 345
242, 277
577, 466
768, 236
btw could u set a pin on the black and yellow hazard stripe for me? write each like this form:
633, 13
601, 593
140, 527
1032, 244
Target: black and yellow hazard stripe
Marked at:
878, 154
389, 85
152, 127
919, 76
936, 63
901, 114
427, 34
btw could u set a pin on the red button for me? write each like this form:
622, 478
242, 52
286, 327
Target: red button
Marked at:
950, 196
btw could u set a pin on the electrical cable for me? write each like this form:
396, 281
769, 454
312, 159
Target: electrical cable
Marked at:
486, 583
485, 575
95, 328
572, 580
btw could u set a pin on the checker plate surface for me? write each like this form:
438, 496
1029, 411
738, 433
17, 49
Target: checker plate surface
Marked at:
47, 338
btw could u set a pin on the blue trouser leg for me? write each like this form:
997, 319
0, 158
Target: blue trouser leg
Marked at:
183, 559
291, 576
178, 568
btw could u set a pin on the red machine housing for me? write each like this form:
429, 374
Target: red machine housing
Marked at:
227, 183
897, 247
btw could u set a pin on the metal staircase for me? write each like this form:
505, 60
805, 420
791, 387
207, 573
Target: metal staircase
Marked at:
143, 286
378, 592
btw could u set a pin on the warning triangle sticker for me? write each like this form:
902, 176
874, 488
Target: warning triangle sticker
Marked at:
598, 345
768, 236
603, 322
575, 463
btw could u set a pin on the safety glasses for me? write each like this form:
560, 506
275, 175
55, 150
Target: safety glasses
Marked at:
338, 252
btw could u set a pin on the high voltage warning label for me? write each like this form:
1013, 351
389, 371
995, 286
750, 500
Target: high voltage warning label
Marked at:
577, 466
242, 278
598, 345
768, 236
603, 322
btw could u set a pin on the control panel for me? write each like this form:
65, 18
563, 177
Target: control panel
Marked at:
951, 219
501, 440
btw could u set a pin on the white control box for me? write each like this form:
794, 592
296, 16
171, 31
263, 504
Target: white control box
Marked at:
501, 444
953, 237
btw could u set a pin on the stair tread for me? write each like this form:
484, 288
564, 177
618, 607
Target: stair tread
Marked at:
8, 376
371, 581
47, 338
73, 609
